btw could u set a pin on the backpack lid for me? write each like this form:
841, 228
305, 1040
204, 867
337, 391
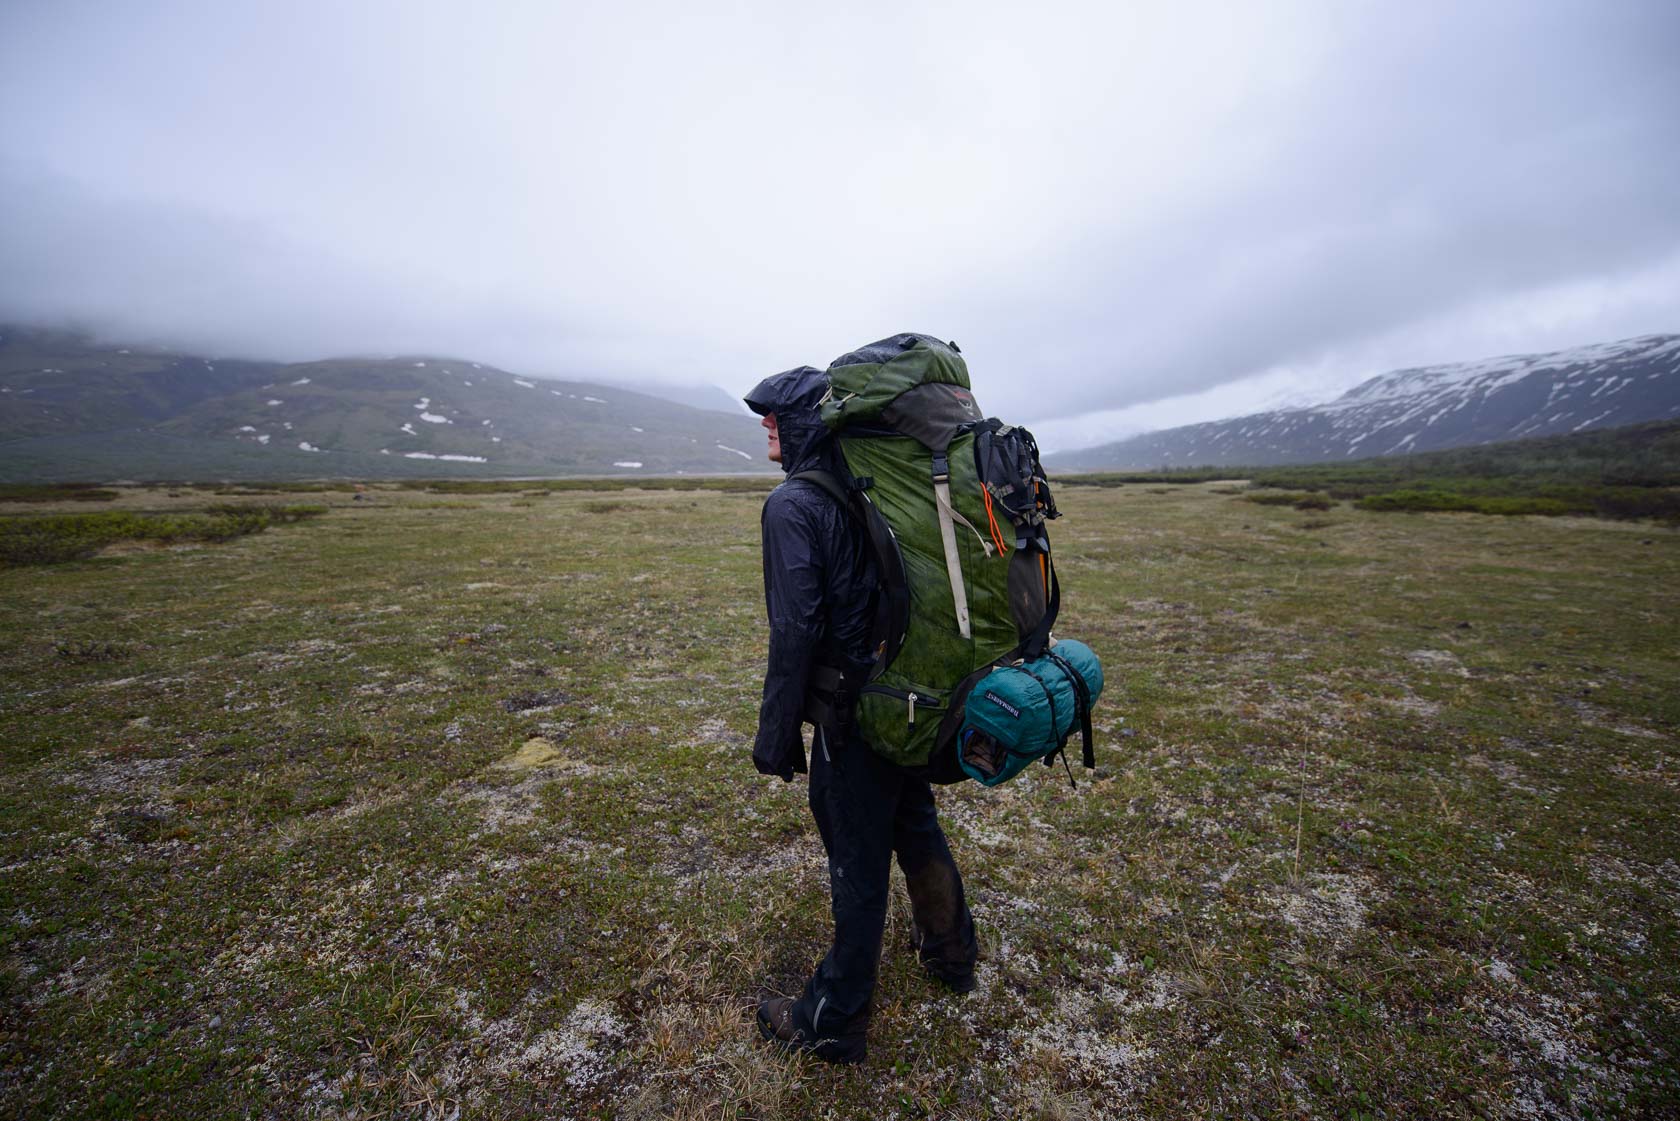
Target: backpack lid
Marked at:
865, 382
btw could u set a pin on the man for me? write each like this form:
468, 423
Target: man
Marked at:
819, 590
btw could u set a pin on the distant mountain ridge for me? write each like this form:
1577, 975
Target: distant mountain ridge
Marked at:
1426, 409
72, 409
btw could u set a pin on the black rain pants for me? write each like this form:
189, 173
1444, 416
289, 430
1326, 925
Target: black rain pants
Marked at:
867, 810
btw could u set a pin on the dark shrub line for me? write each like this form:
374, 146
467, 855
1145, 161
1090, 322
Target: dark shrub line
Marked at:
56, 492
745, 484
1603, 502
1178, 475
1630, 472
54, 539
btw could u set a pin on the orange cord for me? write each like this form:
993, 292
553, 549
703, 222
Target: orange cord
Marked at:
1043, 558
997, 538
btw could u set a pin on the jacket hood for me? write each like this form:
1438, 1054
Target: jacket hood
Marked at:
795, 396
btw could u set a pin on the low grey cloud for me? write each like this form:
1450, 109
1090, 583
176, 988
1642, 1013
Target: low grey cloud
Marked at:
1125, 213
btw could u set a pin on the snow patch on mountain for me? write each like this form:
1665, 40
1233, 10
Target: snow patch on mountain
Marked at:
1431, 407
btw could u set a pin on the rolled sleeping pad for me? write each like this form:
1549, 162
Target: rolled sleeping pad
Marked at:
1016, 715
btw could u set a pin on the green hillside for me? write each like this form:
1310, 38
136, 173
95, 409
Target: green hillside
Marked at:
1645, 455
53, 383
71, 410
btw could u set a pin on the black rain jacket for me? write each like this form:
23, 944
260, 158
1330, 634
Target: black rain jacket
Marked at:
819, 573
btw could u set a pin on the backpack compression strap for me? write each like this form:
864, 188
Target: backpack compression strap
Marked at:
1034, 645
948, 538
892, 606
1082, 706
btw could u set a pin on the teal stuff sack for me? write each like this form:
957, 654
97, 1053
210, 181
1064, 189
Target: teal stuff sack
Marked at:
1018, 714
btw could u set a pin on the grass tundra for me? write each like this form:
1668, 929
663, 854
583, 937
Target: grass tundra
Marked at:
442, 806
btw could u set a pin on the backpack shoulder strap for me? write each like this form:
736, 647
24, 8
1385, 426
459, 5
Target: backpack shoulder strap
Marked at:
827, 482
892, 606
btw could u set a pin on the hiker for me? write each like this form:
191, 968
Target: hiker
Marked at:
819, 586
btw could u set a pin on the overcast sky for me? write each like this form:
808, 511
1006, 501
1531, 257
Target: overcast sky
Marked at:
1129, 215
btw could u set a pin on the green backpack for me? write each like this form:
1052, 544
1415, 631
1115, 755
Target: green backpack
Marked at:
956, 506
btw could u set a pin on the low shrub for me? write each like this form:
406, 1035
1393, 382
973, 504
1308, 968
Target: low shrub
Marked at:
314, 487
276, 515
54, 539
1423, 501
56, 492
1283, 498
1637, 502
1177, 475
1414, 501
727, 484
1514, 505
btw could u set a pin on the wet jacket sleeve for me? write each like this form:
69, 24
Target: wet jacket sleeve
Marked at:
795, 572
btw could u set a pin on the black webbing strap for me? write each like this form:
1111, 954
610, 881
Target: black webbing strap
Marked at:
1082, 706
1033, 646
828, 483
1061, 745
822, 692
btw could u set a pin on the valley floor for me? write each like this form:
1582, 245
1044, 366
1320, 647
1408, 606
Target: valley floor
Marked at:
443, 807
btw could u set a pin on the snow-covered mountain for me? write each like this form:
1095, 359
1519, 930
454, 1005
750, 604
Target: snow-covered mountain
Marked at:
1428, 408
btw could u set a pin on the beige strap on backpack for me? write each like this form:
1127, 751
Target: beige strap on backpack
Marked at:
953, 565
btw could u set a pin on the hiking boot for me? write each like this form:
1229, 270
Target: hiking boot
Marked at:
958, 981
956, 976
779, 1023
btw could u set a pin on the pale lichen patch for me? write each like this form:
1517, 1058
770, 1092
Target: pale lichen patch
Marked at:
1328, 905
582, 1052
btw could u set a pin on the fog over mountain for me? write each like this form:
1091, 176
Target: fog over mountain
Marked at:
1130, 216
